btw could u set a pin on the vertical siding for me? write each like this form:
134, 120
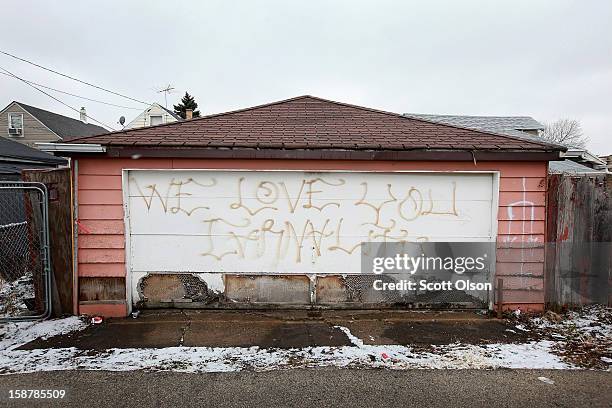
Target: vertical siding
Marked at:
521, 213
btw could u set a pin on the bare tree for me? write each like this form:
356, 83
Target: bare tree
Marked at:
566, 132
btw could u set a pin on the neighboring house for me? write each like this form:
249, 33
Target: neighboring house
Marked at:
586, 158
266, 207
579, 162
525, 127
519, 126
608, 160
30, 125
572, 167
15, 157
153, 115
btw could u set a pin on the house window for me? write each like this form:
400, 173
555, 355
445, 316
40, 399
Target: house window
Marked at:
15, 124
155, 120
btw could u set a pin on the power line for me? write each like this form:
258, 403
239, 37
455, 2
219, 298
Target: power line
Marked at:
73, 78
76, 96
54, 98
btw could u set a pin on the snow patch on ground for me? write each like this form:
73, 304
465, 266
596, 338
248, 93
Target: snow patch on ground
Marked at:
13, 296
582, 338
356, 341
548, 352
205, 359
15, 334
595, 320
221, 359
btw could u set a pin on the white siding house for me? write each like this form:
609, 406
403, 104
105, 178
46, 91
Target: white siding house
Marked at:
153, 115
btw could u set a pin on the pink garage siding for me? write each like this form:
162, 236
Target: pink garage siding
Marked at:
521, 216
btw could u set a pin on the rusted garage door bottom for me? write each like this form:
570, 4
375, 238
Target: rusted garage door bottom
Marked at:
243, 291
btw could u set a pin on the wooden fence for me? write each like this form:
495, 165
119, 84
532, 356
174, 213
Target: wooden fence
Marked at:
60, 234
579, 232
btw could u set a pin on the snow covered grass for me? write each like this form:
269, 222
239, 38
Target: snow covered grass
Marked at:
581, 337
592, 320
13, 335
13, 295
540, 354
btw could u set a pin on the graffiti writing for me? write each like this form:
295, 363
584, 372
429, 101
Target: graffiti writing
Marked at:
297, 219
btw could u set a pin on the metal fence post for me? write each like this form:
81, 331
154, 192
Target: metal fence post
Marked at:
25, 263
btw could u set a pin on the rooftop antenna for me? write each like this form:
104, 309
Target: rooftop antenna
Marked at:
166, 91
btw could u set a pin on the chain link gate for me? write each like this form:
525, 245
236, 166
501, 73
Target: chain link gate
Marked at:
25, 267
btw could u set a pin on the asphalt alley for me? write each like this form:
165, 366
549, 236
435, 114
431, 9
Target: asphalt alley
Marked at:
320, 387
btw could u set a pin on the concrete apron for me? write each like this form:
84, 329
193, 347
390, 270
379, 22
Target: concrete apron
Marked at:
284, 329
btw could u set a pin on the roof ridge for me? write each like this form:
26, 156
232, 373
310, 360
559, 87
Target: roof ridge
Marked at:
26, 106
383, 112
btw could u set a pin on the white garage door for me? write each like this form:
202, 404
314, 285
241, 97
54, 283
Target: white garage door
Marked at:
295, 221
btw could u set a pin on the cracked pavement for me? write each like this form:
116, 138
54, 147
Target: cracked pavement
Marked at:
284, 329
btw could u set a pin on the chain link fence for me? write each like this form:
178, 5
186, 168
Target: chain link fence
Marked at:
24, 251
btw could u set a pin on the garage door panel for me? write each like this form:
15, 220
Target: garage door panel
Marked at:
194, 254
293, 184
193, 215
239, 221
211, 216
188, 253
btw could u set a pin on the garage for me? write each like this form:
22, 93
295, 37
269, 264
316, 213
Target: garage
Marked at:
212, 223
265, 207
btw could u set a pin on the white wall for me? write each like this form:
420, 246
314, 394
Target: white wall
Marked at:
295, 221
143, 119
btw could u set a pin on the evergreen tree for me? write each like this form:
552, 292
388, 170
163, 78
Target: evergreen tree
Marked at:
187, 102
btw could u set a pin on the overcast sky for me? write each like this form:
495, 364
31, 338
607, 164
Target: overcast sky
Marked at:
546, 59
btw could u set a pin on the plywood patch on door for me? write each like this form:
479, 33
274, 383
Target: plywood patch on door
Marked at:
106, 288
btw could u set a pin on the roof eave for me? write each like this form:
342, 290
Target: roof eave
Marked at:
193, 152
71, 147
54, 161
585, 156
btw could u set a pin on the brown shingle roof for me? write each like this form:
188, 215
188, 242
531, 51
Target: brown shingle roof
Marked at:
307, 122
